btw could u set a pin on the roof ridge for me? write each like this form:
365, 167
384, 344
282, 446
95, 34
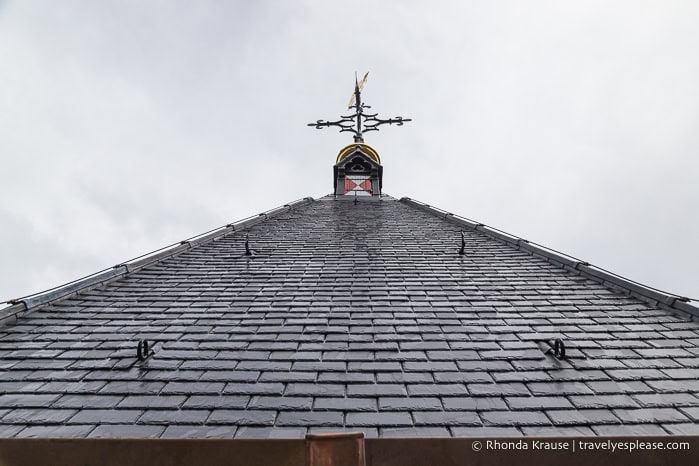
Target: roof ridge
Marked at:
572, 264
25, 304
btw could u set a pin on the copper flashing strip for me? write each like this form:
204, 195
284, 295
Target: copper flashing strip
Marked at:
21, 306
342, 449
569, 263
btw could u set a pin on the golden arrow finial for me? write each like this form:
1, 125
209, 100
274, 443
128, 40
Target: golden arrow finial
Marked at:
358, 86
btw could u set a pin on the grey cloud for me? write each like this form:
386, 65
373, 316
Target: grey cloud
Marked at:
127, 125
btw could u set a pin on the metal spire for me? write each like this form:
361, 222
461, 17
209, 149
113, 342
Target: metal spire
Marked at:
359, 122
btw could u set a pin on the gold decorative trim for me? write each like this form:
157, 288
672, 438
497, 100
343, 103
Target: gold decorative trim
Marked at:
365, 149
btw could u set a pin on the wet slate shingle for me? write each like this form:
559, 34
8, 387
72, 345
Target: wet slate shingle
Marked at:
350, 317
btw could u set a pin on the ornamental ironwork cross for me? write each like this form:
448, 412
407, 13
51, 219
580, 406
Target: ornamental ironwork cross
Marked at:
359, 122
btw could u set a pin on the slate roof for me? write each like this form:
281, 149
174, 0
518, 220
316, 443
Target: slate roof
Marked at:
351, 317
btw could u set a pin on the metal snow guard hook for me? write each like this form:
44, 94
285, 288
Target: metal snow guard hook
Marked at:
557, 347
248, 251
342, 449
143, 350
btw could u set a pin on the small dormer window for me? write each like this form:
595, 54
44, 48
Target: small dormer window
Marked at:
358, 171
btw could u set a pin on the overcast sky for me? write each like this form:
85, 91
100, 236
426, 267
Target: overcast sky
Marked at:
129, 125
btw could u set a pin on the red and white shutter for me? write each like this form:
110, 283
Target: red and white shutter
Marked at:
361, 185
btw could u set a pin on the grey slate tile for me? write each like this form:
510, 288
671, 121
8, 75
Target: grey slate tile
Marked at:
629, 430
375, 390
514, 418
473, 403
313, 389
402, 377
58, 431
264, 366
149, 402
346, 377
498, 389
187, 388
666, 399
683, 373
582, 417
126, 431
558, 431
374, 367
650, 415
229, 376
288, 376
174, 416
436, 389
378, 419
401, 432
512, 355
319, 366
213, 365
463, 377
271, 432
26, 400
452, 355
216, 401
310, 418
664, 353
559, 388
538, 402
106, 416
692, 413
41, 375
71, 387
636, 374
37, 416
446, 418
343, 356
520, 376
410, 404
132, 388
682, 428
413, 366
669, 386
242, 417
281, 403
369, 432
486, 431
578, 375
612, 387
603, 401
200, 432
19, 386
254, 388
7, 431
345, 404
483, 365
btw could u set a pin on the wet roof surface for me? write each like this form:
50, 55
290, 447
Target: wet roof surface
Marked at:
350, 318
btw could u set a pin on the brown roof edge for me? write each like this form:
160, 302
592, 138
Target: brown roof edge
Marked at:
399, 451
577, 266
26, 304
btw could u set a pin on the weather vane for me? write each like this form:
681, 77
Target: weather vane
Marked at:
360, 122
